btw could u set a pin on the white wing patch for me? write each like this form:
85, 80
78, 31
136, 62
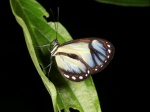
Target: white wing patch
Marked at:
70, 65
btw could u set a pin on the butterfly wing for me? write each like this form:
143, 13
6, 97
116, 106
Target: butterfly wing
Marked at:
78, 59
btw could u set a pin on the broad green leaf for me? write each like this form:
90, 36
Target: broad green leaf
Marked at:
65, 94
135, 3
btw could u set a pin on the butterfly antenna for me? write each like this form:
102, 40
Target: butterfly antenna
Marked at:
57, 22
54, 22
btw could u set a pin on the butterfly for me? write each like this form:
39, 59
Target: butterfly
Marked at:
78, 59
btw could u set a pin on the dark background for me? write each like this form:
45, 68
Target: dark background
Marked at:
121, 86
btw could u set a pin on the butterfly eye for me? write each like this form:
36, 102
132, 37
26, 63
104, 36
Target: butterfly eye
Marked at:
78, 59
55, 42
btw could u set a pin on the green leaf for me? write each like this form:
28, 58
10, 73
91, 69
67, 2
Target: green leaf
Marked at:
135, 3
37, 31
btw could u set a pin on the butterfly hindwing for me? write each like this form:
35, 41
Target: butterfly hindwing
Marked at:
78, 59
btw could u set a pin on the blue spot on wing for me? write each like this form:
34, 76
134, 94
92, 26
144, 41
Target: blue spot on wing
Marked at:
99, 47
100, 52
103, 58
98, 62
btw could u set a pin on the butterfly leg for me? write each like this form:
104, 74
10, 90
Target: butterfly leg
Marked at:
50, 65
42, 46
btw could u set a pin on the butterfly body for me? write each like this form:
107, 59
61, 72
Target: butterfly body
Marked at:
78, 59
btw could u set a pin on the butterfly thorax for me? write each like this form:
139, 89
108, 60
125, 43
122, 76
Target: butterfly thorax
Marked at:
56, 45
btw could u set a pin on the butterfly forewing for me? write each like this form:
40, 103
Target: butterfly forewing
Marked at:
78, 59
